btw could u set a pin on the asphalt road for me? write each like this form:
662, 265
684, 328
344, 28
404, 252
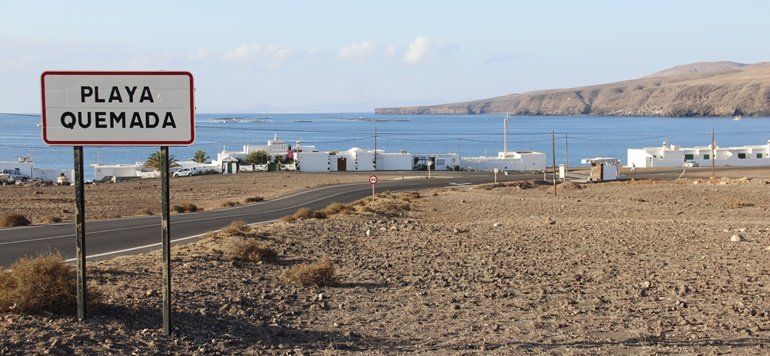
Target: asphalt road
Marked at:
109, 238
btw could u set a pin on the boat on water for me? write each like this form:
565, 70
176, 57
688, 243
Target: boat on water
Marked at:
737, 118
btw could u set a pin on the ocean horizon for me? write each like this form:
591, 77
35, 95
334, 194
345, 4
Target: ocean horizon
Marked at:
467, 135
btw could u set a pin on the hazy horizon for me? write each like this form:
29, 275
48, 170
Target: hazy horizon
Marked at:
349, 57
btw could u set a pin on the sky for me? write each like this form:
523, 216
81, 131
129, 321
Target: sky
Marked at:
354, 56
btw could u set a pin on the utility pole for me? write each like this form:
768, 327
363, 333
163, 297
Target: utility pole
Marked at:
375, 145
553, 156
566, 153
713, 156
505, 135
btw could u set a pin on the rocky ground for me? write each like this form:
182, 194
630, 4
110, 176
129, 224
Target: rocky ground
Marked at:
46, 204
627, 267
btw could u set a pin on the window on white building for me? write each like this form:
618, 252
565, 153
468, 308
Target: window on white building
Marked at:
741, 156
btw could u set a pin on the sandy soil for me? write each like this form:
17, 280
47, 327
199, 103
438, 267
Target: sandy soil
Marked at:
105, 201
621, 268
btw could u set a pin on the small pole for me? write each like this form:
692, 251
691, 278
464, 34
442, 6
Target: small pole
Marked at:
80, 234
429, 164
495, 175
553, 154
375, 145
166, 239
566, 153
713, 156
373, 190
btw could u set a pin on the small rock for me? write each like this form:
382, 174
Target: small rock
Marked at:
497, 224
550, 221
736, 238
743, 229
368, 232
149, 293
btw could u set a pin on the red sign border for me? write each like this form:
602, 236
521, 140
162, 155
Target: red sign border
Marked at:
120, 143
376, 179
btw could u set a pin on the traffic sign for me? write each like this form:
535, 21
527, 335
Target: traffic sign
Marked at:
373, 180
118, 108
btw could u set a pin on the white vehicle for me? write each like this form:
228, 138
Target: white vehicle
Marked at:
260, 168
12, 175
690, 164
185, 172
62, 180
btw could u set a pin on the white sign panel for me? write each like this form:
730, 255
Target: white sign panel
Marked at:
118, 108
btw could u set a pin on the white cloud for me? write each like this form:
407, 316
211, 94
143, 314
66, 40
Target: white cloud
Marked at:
391, 51
357, 51
417, 50
270, 54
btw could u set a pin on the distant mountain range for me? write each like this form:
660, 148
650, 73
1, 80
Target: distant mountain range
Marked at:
697, 89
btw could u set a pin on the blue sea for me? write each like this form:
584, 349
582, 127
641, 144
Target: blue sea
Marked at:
468, 135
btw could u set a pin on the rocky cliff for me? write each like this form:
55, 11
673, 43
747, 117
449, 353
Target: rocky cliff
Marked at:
699, 89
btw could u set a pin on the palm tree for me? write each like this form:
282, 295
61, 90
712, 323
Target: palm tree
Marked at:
200, 156
154, 161
257, 157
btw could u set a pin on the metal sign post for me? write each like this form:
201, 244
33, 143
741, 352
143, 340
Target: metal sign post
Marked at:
80, 234
89, 108
430, 163
165, 228
495, 170
373, 180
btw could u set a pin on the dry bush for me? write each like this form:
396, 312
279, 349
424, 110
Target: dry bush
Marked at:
43, 283
237, 227
249, 250
51, 219
185, 207
304, 213
145, 211
319, 273
9, 220
740, 204
230, 204
253, 199
337, 208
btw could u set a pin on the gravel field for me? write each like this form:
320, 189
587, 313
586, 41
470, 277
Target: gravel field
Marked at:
617, 268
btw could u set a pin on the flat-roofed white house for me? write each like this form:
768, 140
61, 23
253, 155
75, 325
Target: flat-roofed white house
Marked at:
440, 161
273, 148
506, 161
669, 155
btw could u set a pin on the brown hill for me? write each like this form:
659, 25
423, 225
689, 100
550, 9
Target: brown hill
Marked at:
699, 89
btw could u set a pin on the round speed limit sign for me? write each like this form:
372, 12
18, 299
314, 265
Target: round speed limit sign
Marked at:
373, 180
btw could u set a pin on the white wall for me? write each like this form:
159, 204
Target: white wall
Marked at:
394, 161
118, 171
313, 161
363, 161
53, 174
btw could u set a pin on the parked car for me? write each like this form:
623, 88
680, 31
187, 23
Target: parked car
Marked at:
690, 164
62, 180
12, 175
185, 172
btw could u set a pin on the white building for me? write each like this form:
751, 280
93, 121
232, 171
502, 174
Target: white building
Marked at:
273, 148
603, 168
440, 161
354, 159
675, 156
506, 161
102, 171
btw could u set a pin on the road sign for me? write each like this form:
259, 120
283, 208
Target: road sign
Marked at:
496, 170
118, 108
373, 180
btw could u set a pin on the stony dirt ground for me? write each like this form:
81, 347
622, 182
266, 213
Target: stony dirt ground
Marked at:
620, 268
106, 201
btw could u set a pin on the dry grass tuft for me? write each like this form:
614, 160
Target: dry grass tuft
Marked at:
51, 219
740, 204
237, 227
9, 220
38, 284
304, 213
146, 211
185, 207
249, 250
253, 199
319, 273
337, 208
230, 204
